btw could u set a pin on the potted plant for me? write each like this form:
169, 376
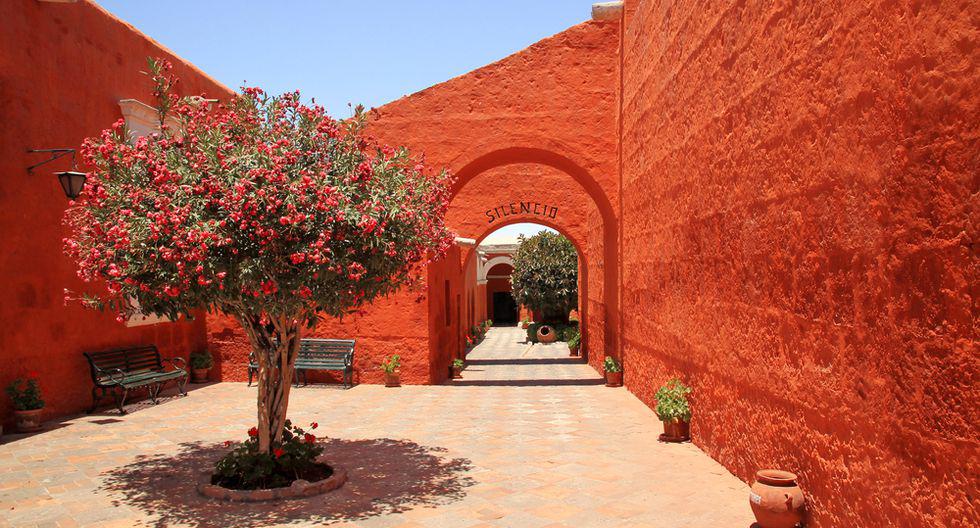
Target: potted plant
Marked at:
201, 363
524, 322
28, 405
674, 411
614, 372
573, 344
457, 368
391, 366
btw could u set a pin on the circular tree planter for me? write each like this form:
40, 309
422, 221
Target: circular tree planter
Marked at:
297, 490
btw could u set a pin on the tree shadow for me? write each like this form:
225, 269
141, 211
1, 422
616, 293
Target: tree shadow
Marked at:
384, 476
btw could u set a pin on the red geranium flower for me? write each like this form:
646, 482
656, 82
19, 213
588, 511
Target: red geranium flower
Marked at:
278, 452
253, 432
310, 439
314, 425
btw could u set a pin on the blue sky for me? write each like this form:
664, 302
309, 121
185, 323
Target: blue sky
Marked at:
338, 52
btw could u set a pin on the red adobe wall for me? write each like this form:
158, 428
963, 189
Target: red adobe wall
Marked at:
64, 69
408, 323
800, 191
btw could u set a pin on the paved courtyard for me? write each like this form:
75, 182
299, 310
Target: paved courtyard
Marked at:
529, 438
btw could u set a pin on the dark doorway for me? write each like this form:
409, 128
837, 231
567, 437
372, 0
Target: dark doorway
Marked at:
504, 309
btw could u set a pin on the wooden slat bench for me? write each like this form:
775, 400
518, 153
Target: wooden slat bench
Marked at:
121, 369
319, 354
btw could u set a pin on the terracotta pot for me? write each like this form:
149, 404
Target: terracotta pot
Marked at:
392, 379
547, 334
676, 431
614, 379
457, 372
573, 351
28, 421
776, 500
199, 375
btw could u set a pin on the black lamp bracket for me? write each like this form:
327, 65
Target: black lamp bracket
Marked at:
55, 154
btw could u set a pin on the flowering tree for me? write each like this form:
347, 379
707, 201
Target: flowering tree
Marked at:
263, 208
545, 276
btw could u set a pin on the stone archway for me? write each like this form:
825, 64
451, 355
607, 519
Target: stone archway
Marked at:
529, 185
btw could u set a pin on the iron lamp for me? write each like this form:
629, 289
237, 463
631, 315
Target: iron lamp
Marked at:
72, 182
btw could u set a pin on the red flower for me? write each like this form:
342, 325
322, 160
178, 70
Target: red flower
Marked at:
278, 452
310, 439
228, 443
314, 425
253, 432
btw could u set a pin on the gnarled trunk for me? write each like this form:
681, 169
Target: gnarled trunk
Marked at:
275, 352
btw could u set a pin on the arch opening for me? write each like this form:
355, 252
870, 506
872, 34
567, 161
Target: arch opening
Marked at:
501, 188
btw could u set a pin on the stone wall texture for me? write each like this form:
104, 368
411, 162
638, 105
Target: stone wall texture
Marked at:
799, 237
63, 70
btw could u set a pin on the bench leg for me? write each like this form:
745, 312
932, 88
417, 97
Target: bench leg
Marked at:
121, 399
250, 373
348, 375
182, 385
153, 391
95, 398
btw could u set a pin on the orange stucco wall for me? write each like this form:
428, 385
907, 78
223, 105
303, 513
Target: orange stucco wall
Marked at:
412, 324
799, 206
63, 69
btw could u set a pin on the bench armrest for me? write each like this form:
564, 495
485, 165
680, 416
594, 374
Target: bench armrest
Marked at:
173, 363
111, 374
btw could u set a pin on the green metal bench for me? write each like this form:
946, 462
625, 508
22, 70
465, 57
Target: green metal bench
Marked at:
122, 369
319, 354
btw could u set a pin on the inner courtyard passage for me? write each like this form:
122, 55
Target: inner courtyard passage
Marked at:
525, 439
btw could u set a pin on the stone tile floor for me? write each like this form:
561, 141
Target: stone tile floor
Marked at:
529, 438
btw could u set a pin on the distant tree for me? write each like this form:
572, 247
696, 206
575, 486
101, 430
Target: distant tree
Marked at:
545, 276
262, 208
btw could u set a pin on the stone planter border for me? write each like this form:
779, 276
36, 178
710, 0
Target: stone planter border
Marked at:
297, 490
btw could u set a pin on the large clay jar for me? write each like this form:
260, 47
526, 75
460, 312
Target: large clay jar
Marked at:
776, 500
28, 421
546, 334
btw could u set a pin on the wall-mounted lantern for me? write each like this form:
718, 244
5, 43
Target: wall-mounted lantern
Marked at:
72, 182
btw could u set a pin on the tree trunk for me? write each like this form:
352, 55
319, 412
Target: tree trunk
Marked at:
275, 352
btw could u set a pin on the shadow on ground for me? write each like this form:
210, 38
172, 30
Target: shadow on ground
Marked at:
529, 361
384, 476
524, 382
